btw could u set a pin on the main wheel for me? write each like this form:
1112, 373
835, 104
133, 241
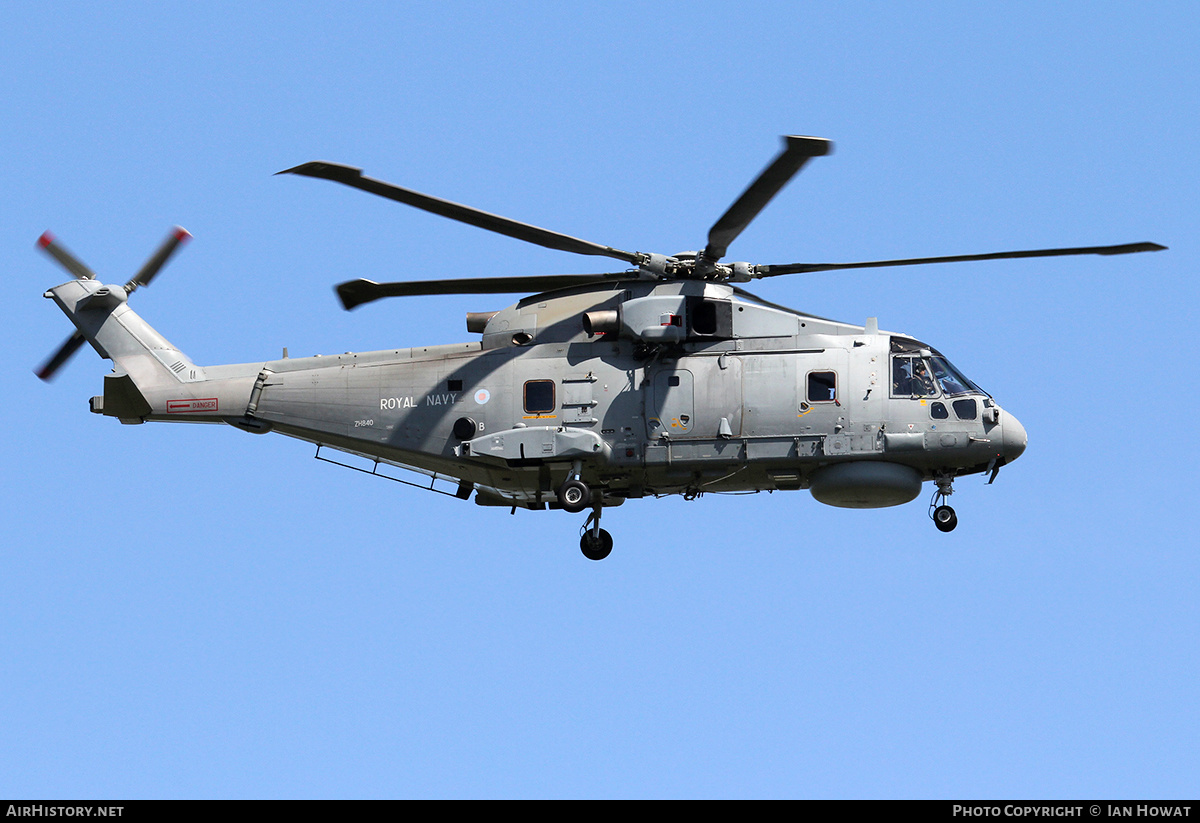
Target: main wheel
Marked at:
945, 518
596, 548
574, 496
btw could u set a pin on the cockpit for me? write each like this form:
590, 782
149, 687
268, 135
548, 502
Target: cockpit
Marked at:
921, 372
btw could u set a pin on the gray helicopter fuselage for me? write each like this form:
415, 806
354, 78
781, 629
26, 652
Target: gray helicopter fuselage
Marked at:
695, 388
634, 388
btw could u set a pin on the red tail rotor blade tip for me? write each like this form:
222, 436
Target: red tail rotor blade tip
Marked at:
46, 239
181, 233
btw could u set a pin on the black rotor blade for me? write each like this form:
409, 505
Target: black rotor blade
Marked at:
356, 292
61, 356
152, 266
800, 268
797, 150
65, 259
464, 214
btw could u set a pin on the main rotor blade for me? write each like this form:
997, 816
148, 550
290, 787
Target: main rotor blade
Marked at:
800, 268
61, 356
464, 214
151, 267
356, 292
797, 150
65, 259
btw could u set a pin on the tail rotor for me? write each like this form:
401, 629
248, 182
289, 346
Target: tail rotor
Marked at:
77, 269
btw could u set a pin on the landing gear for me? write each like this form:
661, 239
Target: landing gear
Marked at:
595, 542
596, 547
942, 515
574, 495
945, 518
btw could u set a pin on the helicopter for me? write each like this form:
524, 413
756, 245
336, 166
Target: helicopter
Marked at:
664, 378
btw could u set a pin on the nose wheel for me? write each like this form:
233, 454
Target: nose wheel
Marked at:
942, 515
945, 518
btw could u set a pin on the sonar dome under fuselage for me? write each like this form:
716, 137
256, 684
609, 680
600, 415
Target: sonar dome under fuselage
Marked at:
865, 485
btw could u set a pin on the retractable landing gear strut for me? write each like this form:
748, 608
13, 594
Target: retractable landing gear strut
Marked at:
942, 515
595, 542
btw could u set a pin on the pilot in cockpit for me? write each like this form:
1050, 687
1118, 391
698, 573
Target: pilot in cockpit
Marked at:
910, 377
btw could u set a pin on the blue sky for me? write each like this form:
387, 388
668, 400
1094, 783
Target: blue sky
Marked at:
196, 612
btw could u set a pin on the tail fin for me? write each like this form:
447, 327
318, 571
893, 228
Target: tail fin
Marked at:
147, 371
75, 266
151, 379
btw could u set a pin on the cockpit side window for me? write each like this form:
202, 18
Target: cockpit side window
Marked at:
910, 377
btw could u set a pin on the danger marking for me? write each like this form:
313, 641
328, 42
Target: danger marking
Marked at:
208, 404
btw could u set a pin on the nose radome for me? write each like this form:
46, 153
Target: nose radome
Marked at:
1014, 440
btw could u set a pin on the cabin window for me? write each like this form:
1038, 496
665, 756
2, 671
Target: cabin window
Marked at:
453, 385
938, 411
966, 409
539, 396
822, 386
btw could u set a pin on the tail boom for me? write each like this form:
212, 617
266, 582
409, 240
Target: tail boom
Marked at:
151, 378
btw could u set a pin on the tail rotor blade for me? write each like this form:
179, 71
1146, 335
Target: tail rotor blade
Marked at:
152, 266
68, 261
61, 356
